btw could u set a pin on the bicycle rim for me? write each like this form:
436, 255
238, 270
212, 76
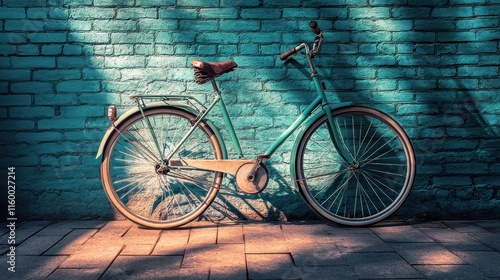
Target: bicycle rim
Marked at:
376, 180
139, 188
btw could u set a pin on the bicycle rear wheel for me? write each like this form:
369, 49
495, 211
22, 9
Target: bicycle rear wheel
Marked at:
144, 190
373, 177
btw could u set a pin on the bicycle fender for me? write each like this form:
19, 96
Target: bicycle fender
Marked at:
165, 104
303, 129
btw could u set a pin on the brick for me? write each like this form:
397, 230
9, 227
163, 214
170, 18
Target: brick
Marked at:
371, 37
219, 13
15, 100
476, 71
459, 83
477, 47
17, 125
476, 23
489, 10
12, 13
47, 37
114, 25
55, 124
93, 37
90, 111
378, 60
157, 24
92, 13
113, 3
32, 87
218, 38
340, 13
136, 13
28, 50
260, 13
146, 3
171, 13
78, 86
372, 12
32, 112
124, 38
411, 12
295, 13
25, 3
24, 25
239, 25
14, 75
54, 75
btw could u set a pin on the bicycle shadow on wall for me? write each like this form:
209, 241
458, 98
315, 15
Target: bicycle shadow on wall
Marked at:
450, 115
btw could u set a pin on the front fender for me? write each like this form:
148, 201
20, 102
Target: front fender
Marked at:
303, 129
158, 104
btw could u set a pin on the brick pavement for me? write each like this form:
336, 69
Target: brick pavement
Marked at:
254, 250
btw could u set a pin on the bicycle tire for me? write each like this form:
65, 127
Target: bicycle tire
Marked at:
136, 185
376, 181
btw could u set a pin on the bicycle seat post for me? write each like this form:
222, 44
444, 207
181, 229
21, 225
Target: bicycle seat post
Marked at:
214, 85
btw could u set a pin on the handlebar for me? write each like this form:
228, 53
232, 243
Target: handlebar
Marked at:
315, 28
317, 43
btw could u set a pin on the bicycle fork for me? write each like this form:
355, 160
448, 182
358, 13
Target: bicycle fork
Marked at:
331, 125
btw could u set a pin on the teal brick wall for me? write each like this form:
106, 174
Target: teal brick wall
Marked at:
432, 65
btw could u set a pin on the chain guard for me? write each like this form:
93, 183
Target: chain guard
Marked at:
258, 184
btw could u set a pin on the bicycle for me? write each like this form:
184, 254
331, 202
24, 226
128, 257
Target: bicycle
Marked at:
163, 161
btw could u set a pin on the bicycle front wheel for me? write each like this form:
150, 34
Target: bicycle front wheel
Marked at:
360, 177
141, 186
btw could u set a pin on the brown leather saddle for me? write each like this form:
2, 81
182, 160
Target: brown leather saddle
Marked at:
205, 71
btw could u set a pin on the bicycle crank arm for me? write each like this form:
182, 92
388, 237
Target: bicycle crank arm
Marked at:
228, 166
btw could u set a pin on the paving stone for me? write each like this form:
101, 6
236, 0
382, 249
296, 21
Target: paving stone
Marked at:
360, 243
325, 272
465, 226
491, 240
172, 242
152, 267
92, 224
270, 266
448, 236
228, 273
457, 272
401, 234
427, 224
76, 274
114, 229
37, 245
426, 253
24, 231
52, 230
34, 267
203, 235
93, 255
264, 239
486, 262
310, 254
140, 241
70, 243
306, 233
380, 265
230, 233
220, 255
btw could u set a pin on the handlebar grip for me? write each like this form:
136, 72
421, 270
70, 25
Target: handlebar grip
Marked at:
314, 26
290, 52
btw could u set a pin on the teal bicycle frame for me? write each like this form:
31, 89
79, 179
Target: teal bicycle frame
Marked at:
319, 101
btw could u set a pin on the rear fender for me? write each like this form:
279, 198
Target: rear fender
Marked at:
159, 104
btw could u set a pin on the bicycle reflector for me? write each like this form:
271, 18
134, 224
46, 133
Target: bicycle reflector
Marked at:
112, 113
